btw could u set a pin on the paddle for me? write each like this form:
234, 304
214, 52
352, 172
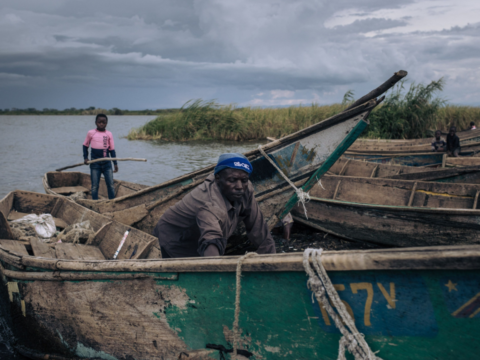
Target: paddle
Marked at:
98, 160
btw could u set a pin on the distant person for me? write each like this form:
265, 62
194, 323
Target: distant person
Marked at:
472, 126
453, 142
101, 142
201, 223
439, 145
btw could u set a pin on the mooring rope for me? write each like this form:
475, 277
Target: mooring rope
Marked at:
303, 197
320, 285
237, 300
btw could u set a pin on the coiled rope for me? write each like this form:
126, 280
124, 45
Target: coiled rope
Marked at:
320, 285
303, 197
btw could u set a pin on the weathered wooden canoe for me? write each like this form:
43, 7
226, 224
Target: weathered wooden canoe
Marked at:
67, 183
407, 159
108, 233
298, 155
469, 141
395, 212
457, 174
416, 303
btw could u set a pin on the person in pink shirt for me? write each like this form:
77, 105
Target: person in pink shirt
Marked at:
100, 140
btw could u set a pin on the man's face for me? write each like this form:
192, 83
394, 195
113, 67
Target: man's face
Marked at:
232, 183
452, 131
101, 123
437, 135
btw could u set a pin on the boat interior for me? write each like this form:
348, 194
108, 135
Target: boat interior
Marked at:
100, 240
71, 182
397, 192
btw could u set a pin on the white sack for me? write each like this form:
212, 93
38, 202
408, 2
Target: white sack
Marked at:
44, 224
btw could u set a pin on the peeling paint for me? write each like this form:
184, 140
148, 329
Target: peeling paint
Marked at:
272, 349
12, 288
87, 352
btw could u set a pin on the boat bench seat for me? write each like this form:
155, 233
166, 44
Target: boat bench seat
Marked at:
64, 190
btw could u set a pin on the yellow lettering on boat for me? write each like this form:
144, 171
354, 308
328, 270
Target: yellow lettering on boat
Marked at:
326, 319
368, 304
389, 297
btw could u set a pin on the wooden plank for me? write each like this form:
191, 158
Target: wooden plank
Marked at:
344, 167
294, 153
69, 189
129, 216
143, 251
373, 171
15, 215
14, 246
41, 249
475, 201
412, 195
77, 252
444, 160
5, 230
99, 235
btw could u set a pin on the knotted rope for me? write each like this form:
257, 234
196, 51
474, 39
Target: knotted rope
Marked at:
319, 283
303, 197
237, 300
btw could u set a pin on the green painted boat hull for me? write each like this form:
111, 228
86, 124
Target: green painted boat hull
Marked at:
421, 314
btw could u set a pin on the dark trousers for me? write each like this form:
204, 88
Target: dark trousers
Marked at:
96, 171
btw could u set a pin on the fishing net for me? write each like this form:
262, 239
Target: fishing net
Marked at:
77, 233
78, 195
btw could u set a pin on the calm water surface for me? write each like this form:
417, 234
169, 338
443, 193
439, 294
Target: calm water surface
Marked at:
32, 145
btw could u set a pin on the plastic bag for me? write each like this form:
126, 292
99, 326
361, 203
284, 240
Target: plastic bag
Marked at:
44, 224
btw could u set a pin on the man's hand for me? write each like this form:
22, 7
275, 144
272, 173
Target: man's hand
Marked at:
116, 169
85, 161
211, 250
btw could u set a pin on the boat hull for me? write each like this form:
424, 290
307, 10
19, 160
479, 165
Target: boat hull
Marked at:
413, 314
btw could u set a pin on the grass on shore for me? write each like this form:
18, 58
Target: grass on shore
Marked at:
403, 115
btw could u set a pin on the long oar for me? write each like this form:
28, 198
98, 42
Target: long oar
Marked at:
98, 160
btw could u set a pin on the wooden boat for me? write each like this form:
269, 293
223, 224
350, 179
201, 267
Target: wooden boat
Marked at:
394, 212
418, 301
458, 174
469, 141
298, 155
406, 159
68, 183
108, 233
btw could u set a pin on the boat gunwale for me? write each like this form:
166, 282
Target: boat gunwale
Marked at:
458, 257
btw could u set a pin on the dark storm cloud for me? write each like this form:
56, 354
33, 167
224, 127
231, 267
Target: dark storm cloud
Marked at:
158, 54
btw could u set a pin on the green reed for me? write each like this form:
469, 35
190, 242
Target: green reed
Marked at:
405, 114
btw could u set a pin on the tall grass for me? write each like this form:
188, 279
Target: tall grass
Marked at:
405, 114
207, 120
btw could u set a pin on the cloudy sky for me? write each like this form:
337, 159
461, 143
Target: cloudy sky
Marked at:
159, 54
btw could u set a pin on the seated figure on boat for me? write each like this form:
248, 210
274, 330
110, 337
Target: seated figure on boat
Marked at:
453, 142
438, 145
201, 223
472, 126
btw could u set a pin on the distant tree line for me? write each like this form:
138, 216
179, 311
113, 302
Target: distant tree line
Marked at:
88, 111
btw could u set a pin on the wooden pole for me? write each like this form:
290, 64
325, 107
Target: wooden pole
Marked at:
102, 159
380, 90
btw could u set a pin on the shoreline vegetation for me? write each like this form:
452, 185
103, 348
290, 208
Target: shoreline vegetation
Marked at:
405, 114
88, 111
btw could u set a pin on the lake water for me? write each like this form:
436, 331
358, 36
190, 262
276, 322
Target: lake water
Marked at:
32, 145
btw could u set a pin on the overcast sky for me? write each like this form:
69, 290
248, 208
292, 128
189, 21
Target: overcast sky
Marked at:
159, 54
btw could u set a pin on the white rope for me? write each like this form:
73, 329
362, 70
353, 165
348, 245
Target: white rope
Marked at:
237, 301
303, 197
320, 285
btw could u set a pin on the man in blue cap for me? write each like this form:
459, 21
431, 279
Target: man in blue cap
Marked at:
201, 223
